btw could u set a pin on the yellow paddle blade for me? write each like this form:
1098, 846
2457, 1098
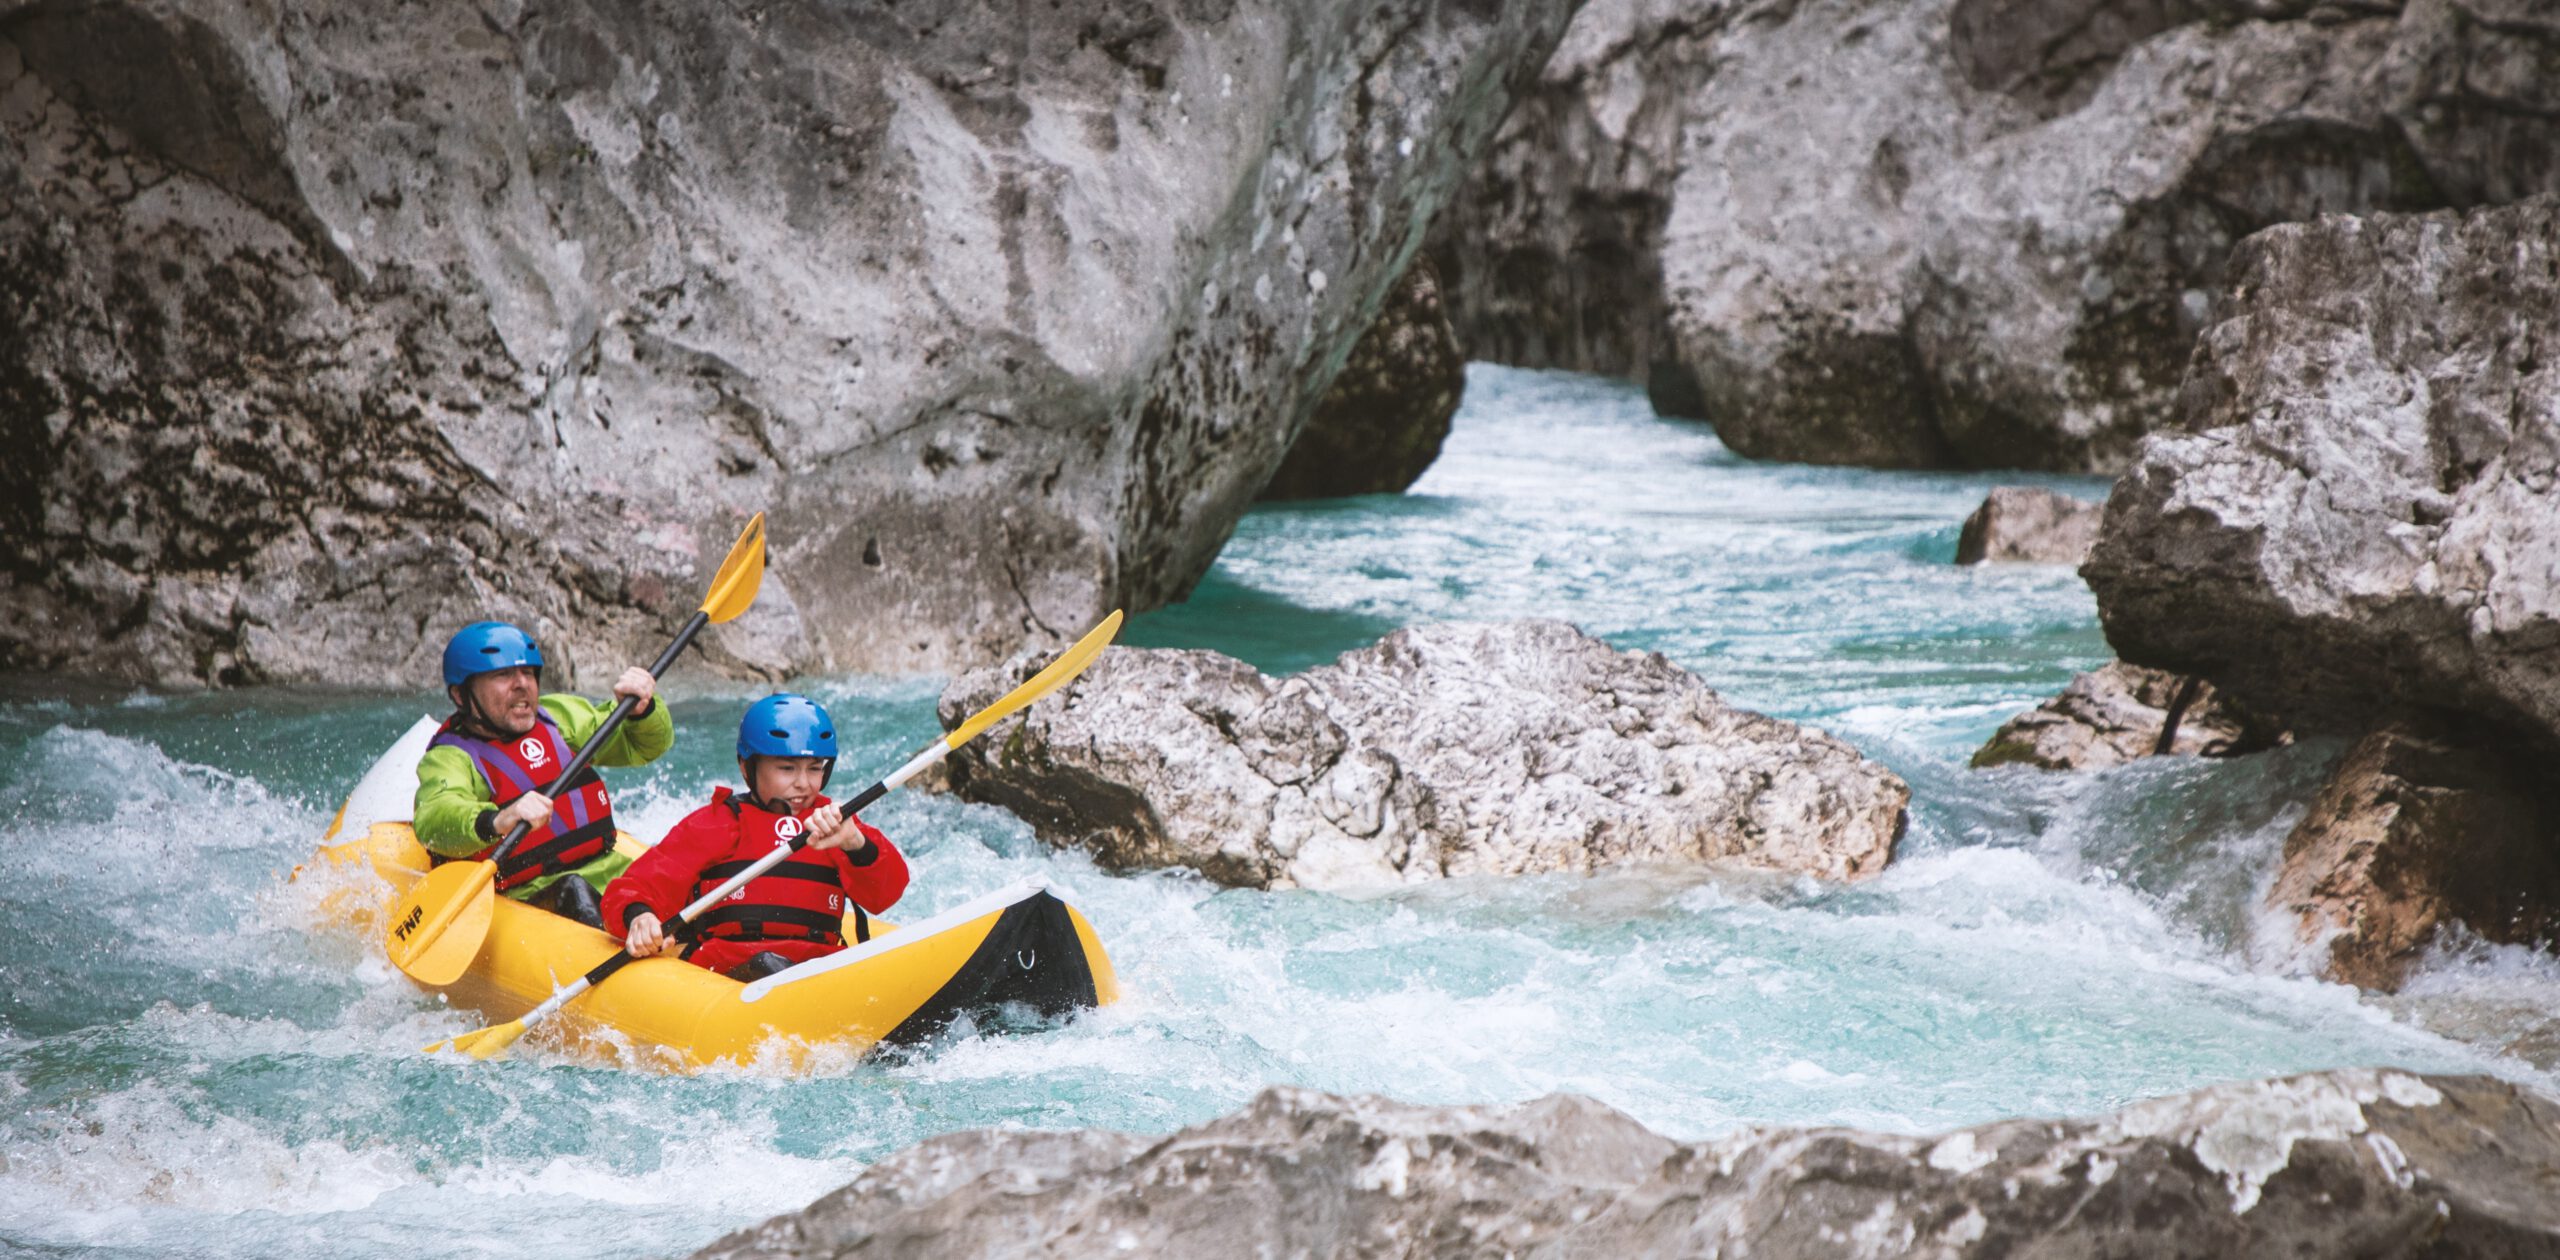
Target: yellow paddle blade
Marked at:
484, 1043
734, 587
436, 930
1060, 671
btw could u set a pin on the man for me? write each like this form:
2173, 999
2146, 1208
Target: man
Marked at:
493, 764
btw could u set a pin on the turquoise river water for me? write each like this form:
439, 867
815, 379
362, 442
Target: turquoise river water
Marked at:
187, 1069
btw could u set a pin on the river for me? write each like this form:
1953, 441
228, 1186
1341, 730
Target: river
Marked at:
188, 1069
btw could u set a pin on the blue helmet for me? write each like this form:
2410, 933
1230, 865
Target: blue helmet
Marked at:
787, 726
486, 645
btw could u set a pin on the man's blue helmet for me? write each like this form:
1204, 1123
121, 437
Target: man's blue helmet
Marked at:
486, 645
787, 726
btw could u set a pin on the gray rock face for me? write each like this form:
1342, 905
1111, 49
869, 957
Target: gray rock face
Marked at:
2417, 830
2026, 525
330, 327
1440, 751
2345, 1163
2361, 517
1552, 252
1383, 419
1961, 232
2115, 714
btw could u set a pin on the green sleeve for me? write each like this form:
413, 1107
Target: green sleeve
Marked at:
637, 742
450, 800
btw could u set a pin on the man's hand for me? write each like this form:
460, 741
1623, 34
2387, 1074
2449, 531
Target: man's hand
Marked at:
830, 829
639, 684
645, 937
532, 809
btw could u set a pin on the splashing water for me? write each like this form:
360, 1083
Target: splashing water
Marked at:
187, 1069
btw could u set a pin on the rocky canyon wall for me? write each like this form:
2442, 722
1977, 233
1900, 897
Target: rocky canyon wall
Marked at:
1975, 233
328, 328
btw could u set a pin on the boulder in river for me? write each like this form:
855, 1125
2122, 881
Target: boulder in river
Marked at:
2359, 516
2117, 713
2029, 525
2418, 830
326, 328
1439, 751
2355, 1162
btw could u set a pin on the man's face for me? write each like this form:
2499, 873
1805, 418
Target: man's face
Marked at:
788, 781
506, 698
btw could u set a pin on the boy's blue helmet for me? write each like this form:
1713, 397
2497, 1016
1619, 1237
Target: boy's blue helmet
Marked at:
787, 726
486, 645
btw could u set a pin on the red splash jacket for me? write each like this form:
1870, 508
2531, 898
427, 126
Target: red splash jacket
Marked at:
797, 909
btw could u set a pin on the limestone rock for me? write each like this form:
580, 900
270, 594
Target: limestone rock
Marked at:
2352, 1162
1439, 751
1976, 233
1383, 419
2027, 525
327, 327
2361, 516
2115, 713
1552, 253
2416, 830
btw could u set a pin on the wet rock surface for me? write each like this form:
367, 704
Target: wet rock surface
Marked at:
328, 328
2360, 517
1976, 233
2418, 830
2027, 525
1383, 418
2116, 713
1440, 751
2353, 1162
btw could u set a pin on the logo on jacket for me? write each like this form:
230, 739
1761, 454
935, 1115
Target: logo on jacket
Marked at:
533, 750
787, 829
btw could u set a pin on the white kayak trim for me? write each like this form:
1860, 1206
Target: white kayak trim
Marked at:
389, 791
906, 934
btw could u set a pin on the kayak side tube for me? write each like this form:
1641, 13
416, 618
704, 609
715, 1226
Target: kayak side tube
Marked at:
1019, 946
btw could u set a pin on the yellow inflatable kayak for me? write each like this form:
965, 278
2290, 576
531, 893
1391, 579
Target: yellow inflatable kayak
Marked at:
1022, 945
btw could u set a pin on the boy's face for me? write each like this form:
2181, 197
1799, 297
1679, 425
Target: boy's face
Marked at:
506, 697
791, 781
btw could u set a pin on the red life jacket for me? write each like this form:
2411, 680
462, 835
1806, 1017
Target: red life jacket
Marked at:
530, 764
800, 899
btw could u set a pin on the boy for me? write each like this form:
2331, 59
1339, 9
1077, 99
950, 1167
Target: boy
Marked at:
791, 913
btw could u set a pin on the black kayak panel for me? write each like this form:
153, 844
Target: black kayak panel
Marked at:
1032, 957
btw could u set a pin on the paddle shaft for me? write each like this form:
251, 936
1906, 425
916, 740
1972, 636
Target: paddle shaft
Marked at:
595, 743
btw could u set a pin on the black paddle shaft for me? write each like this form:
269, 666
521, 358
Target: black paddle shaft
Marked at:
595, 743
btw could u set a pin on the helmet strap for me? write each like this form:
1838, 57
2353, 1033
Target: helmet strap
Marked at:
754, 795
466, 708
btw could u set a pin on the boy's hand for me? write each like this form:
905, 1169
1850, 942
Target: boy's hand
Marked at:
828, 829
532, 809
639, 684
645, 939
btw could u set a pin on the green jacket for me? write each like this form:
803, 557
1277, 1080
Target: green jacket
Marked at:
452, 798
